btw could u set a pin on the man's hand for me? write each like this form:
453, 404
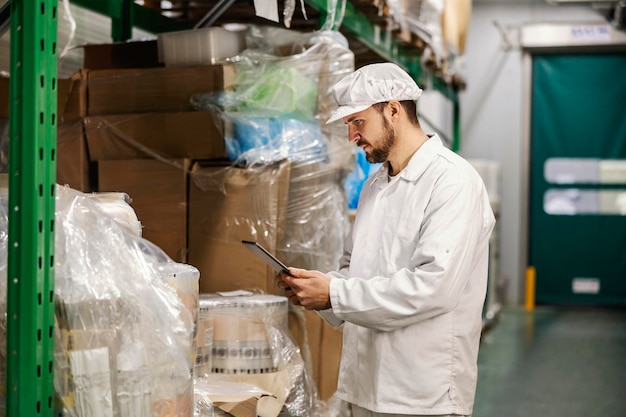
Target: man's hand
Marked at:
310, 289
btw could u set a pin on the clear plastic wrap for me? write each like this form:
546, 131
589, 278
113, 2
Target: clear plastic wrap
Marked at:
319, 58
124, 338
252, 344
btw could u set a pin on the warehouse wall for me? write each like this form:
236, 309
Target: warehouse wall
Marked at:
492, 111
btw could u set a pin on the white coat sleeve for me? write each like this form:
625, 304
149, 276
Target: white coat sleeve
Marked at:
455, 228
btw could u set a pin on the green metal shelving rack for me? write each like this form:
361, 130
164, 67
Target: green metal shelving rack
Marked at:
32, 171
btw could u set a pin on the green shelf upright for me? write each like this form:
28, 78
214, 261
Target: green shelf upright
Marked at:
32, 178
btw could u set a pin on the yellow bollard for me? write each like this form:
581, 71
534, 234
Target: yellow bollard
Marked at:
530, 288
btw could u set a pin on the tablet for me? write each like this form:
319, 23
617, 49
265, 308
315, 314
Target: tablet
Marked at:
269, 259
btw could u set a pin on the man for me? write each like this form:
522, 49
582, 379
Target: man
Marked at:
413, 276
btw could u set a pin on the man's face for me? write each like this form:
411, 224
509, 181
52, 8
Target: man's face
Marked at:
373, 133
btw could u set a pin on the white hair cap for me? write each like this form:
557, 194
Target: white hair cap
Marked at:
371, 84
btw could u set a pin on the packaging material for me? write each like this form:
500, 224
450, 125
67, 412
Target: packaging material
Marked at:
252, 344
158, 192
219, 395
204, 344
322, 56
133, 54
200, 46
143, 90
317, 217
242, 342
256, 138
185, 280
123, 336
305, 327
192, 135
228, 204
117, 206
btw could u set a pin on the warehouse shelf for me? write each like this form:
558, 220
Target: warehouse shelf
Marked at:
126, 14
32, 168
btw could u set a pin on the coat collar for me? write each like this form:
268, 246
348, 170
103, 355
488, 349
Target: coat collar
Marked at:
417, 164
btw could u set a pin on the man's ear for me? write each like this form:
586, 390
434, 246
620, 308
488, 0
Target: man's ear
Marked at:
394, 108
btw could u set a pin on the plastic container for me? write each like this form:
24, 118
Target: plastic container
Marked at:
200, 46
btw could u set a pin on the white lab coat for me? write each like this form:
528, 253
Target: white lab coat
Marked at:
412, 285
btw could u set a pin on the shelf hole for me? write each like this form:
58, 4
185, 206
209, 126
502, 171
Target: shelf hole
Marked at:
42, 45
40, 226
39, 335
54, 12
38, 407
40, 117
54, 118
51, 296
54, 83
52, 225
38, 371
50, 368
51, 332
54, 48
42, 81
39, 299
41, 152
53, 186
51, 266
43, 8
40, 190
40, 263
53, 155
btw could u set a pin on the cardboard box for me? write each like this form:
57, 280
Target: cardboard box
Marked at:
136, 54
330, 358
191, 135
73, 166
230, 204
158, 192
137, 90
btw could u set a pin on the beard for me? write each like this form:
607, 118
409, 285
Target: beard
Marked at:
386, 140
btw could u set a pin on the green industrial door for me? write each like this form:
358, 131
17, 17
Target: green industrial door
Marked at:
577, 235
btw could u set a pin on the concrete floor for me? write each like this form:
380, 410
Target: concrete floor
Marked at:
553, 362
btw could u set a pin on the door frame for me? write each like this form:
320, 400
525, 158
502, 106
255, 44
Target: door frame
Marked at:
558, 38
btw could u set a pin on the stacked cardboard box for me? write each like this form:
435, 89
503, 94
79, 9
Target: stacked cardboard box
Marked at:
142, 135
134, 130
